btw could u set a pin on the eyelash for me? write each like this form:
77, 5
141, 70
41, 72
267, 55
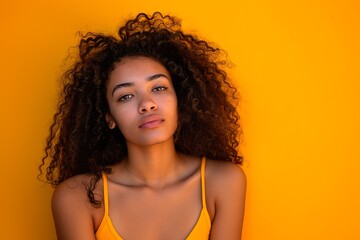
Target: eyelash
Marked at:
129, 96
125, 97
159, 88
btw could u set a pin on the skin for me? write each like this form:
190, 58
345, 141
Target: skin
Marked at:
155, 186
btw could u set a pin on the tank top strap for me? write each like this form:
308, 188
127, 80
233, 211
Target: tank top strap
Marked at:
202, 173
106, 194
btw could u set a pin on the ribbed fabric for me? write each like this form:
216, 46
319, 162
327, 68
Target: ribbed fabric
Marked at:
200, 231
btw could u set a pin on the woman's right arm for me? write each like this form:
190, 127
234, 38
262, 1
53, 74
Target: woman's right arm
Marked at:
72, 211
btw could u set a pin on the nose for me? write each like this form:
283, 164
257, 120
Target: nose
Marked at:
147, 104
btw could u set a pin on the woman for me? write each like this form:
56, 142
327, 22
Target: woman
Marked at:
144, 144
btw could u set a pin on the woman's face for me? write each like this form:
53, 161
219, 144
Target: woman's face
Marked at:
142, 101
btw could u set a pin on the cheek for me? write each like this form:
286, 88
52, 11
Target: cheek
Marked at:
175, 113
126, 126
123, 116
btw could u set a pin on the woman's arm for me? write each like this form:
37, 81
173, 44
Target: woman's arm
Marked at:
229, 188
72, 211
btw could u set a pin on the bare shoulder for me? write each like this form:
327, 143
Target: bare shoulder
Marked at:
72, 211
71, 191
225, 175
225, 184
225, 187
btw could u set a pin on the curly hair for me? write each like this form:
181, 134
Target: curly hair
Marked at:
80, 141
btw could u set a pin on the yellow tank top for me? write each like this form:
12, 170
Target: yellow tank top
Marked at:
200, 231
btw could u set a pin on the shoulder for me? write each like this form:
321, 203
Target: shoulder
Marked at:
72, 209
71, 195
71, 189
225, 175
225, 185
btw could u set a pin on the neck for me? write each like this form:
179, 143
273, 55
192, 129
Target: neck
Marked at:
155, 166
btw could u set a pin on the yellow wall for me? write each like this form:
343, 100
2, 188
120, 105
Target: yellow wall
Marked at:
298, 69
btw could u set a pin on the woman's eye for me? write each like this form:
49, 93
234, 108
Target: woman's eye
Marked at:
159, 89
125, 97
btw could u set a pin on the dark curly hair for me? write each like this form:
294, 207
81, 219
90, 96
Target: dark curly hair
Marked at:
80, 141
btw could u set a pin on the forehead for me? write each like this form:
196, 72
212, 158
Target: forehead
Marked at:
135, 68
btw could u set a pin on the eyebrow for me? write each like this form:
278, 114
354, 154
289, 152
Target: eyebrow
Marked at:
129, 84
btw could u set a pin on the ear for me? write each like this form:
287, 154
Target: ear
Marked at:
110, 121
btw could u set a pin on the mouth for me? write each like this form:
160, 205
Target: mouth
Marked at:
149, 122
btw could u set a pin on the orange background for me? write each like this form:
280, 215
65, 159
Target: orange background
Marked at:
298, 70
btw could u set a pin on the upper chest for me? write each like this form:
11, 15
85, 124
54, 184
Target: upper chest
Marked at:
171, 213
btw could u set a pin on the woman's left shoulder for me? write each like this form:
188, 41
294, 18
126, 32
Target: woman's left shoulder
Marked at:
224, 172
225, 187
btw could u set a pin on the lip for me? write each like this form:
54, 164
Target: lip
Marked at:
150, 121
